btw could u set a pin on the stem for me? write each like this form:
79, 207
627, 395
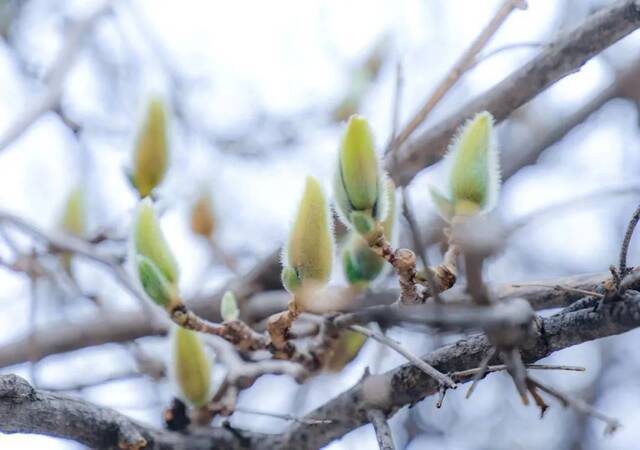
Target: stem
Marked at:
622, 268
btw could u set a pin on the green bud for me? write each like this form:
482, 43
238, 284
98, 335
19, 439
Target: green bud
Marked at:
155, 284
362, 222
192, 367
151, 157
361, 264
149, 241
347, 348
309, 251
359, 184
73, 220
229, 307
474, 180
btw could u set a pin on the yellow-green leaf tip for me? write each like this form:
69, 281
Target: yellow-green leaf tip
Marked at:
474, 179
155, 284
149, 241
151, 157
73, 219
192, 367
229, 307
309, 250
359, 183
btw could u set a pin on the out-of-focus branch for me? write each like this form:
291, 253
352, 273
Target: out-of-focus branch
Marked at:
55, 77
24, 409
464, 62
382, 429
127, 326
561, 57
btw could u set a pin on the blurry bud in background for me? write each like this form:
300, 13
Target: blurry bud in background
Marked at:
474, 177
347, 348
360, 264
73, 221
359, 185
308, 255
229, 307
151, 155
361, 80
203, 222
191, 367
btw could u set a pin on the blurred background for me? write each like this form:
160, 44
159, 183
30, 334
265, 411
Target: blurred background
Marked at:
258, 94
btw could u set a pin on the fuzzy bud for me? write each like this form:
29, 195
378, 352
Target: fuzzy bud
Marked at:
149, 241
73, 220
474, 180
361, 264
359, 182
155, 284
203, 221
151, 157
308, 255
192, 367
229, 307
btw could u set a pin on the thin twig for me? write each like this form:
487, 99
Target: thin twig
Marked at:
381, 427
55, 77
579, 405
426, 368
622, 267
459, 68
397, 103
561, 288
289, 417
517, 45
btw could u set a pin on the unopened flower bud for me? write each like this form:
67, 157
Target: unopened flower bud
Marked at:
359, 183
73, 220
361, 264
229, 307
474, 180
149, 241
155, 284
203, 220
192, 367
308, 255
151, 157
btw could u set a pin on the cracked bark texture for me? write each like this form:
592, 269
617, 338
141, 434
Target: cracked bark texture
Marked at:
23, 409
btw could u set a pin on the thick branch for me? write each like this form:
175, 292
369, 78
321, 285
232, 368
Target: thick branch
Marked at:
408, 384
561, 57
24, 409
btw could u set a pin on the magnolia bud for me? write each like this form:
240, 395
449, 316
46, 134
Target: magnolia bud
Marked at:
149, 241
347, 348
192, 367
361, 264
359, 183
155, 284
202, 218
309, 251
474, 179
73, 220
229, 307
151, 157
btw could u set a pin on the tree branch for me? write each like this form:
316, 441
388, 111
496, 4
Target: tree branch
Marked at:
561, 57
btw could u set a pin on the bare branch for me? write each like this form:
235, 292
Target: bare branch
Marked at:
381, 427
559, 58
